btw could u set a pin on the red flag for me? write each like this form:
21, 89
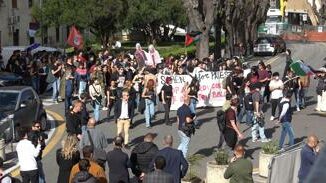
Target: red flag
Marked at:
188, 40
75, 39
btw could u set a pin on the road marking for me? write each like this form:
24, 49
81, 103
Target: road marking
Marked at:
270, 61
52, 142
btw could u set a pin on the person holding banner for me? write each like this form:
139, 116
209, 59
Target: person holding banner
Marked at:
192, 91
149, 96
166, 97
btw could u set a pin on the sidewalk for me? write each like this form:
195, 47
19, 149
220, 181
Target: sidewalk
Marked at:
11, 162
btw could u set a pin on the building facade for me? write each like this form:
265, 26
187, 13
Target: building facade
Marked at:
19, 28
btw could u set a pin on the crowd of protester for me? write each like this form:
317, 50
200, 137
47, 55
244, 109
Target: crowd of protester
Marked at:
126, 84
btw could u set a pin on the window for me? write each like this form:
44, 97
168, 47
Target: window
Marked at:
57, 34
27, 97
14, 4
30, 3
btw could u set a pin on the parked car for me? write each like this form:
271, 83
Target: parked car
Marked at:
20, 106
269, 45
10, 79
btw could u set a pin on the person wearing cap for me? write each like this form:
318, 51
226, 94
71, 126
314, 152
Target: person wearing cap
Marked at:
240, 168
166, 97
118, 162
142, 155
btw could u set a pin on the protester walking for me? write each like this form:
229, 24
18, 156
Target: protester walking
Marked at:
286, 119
176, 164
186, 127
142, 155
276, 88
55, 70
123, 112
94, 169
166, 97
67, 157
96, 94
83, 176
118, 162
150, 98
73, 119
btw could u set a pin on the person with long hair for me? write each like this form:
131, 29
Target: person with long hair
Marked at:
112, 97
149, 96
67, 157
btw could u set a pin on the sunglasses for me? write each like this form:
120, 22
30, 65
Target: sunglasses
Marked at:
37, 126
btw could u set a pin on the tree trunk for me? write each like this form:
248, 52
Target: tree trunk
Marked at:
202, 49
218, 41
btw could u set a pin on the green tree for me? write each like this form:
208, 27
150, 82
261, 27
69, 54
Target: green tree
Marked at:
150, 16
103, 17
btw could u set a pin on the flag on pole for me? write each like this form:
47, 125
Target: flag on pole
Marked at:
300, 69
192, 37
75, 39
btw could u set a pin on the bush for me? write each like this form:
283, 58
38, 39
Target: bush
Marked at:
221, 157
270, 147
193, 162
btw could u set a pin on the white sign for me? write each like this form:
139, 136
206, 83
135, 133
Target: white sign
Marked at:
211, 92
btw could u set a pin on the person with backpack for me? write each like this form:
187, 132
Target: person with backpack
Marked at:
166, 97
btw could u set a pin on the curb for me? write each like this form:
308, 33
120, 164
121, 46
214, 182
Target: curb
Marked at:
56, 129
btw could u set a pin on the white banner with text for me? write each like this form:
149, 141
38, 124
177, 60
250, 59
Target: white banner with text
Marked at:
211, 92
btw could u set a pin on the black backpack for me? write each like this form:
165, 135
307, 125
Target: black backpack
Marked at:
221, 122
248, 102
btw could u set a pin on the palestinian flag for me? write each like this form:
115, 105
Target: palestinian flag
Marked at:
192, 37
300, 68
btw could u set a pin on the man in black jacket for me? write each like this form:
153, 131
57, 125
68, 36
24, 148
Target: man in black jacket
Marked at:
142, 155
176, 164
118, 162
123, 113
73, 119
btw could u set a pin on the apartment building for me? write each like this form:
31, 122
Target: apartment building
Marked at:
19, 28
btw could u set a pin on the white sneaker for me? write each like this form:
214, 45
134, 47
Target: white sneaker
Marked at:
265, 140
254, 140
298, 109
272, 118
104, 108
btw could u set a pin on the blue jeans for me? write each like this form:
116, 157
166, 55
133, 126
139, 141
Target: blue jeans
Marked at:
36, 84
40, 171
55, 88
82, 87
184, 143
286, 129
149, 111
97, 111
254, 131
192, 106
297, 98
68, 94
249, 117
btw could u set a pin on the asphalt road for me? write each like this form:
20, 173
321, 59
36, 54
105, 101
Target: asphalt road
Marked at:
204, 142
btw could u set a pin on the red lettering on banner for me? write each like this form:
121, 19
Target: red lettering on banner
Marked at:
202, 97
217, 94
216, 85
